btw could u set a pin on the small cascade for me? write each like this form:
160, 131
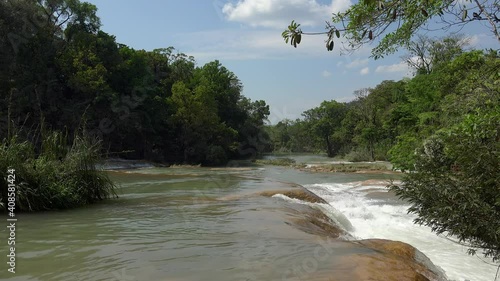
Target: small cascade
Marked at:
373, 212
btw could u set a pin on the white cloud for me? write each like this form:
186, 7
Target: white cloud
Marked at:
279, 13
292, 110
364, 71
357, 63
461, 3
398, 67
482, 41
326, 73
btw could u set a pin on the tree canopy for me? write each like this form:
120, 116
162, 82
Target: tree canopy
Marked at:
395, 22
60, 72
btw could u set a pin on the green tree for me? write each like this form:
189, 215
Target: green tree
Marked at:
35, 39
395, 22
196, 119
295, 136
282, 135
456, 187
372, 107
225, 89
471, 82
325, 121
253, 137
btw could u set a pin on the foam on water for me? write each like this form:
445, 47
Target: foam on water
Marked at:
388, 219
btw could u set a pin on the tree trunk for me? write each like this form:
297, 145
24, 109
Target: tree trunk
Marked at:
329, 148
9, 117
372, 151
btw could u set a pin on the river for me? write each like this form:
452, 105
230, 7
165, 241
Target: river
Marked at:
191, 223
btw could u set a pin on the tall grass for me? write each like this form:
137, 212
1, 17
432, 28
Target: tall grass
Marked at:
57, 175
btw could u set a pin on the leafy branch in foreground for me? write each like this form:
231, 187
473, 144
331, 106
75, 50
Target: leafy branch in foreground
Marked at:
396, 21
455, 188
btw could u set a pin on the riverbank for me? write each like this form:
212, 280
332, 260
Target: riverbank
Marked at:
349, 167
318, 167
331, 166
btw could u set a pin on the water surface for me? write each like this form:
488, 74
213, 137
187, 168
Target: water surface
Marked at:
209, 224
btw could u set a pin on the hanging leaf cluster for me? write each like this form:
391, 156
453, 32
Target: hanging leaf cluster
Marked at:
293, 34
331, 35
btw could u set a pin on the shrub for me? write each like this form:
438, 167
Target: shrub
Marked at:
402, 155
59, 177
358, 155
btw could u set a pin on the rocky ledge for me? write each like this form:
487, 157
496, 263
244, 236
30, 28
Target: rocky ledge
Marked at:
390, 261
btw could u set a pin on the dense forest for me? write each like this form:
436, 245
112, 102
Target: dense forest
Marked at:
61, 72
389, 121
70, 95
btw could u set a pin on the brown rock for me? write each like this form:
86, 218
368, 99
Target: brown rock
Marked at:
316, 222
390, 247
392, 261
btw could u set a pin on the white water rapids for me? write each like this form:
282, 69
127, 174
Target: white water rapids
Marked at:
385, 217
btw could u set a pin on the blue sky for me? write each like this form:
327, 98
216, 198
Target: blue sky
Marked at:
245, 36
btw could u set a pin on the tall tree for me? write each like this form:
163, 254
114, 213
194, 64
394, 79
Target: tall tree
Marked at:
325, 121
425, 53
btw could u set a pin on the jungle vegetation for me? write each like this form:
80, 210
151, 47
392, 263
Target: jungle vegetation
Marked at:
442, 127
70, 95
